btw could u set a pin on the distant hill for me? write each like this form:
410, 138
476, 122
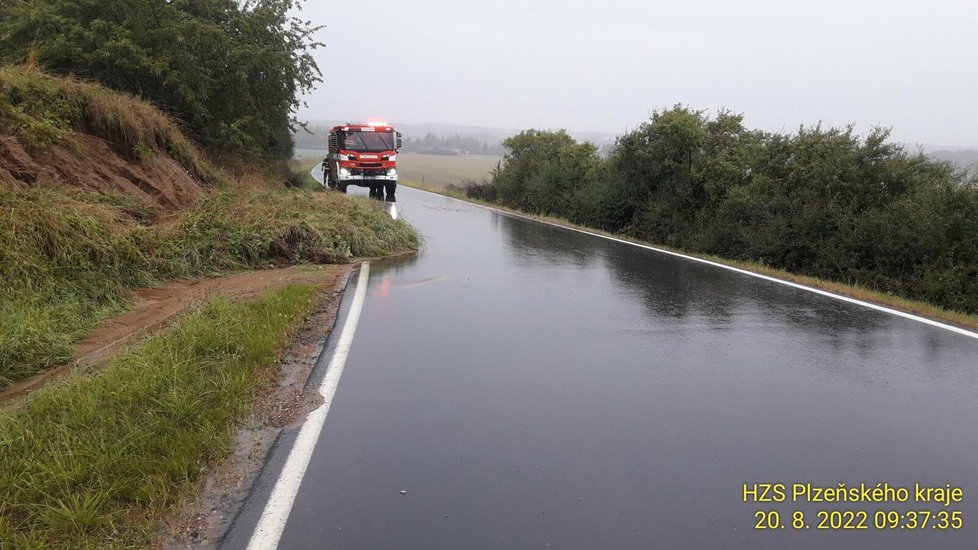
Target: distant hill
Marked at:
484, 134
963, 158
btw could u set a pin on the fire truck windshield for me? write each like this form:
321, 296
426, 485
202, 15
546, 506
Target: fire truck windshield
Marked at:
368, 141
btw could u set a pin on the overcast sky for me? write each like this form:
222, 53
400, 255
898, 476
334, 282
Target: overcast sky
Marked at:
603, 66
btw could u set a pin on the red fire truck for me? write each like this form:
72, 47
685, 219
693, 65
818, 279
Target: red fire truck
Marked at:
364, 155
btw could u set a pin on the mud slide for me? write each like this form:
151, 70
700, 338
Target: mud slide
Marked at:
154, 308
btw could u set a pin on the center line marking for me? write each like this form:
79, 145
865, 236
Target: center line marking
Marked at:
272, 523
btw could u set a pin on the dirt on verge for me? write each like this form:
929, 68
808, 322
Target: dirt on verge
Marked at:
92, 164
154, 308
202, 522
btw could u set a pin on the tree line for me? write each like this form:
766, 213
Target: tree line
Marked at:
230, 71
822, 202
314, 137
456, 144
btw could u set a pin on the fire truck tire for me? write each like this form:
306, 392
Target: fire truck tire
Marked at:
341, 187
391, 188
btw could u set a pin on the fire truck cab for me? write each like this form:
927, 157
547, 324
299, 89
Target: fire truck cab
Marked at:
364, 155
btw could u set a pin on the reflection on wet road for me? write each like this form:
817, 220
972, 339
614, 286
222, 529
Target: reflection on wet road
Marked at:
532, 387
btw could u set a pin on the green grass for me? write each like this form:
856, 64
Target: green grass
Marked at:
301, 173
94, 463
66, 259
64, 262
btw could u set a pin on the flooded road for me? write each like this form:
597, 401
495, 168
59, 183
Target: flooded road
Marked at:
519, 385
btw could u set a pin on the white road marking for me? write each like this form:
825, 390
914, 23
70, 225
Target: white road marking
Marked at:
272, 523
919, 319
317, 173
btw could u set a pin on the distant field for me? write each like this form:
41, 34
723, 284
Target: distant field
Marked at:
430, 170
441, 170
310, 153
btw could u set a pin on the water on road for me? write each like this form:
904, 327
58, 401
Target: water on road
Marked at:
533, 387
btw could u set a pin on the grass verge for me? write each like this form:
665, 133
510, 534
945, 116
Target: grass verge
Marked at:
915, 307
95, 463
301, 177
66, 258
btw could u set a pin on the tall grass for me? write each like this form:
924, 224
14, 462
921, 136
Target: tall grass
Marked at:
95, 462
300, 173
257, 228
63, 265
66, 259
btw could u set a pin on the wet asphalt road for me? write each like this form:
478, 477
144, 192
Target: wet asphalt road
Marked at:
533, 387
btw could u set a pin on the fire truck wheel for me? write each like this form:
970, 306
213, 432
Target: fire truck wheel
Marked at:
391, 187
341, 187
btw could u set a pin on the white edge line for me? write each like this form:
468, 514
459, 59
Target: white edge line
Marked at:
272, 523
826, 293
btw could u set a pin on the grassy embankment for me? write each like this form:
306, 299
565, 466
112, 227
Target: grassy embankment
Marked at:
915, 307
301, 168
68, 256
66, 259
98, 461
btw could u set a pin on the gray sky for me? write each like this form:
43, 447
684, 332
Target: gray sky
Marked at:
603, 66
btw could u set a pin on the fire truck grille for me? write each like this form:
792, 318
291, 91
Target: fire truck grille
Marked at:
370, 165
369, 172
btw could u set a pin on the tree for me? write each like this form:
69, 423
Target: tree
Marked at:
542, 170
230, 71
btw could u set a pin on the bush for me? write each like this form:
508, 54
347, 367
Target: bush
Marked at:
819, 202
231, 71
483, 191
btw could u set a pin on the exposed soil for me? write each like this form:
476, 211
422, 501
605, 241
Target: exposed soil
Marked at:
154, 308
92, 164
202, 522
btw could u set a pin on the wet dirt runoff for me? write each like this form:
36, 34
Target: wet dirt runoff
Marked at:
154, 308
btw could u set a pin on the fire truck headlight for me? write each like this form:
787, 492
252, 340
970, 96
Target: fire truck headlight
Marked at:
392, 172
344, 172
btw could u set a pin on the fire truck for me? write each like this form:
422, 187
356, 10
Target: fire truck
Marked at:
364, 155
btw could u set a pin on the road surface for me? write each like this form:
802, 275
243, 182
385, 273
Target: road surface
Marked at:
519, 385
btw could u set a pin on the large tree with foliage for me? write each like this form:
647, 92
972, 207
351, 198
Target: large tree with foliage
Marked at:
231, 71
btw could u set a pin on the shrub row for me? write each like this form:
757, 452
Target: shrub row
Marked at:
825, 203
